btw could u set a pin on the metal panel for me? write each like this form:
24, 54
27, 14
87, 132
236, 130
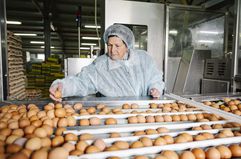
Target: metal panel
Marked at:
140, 13
75, 65
214, 86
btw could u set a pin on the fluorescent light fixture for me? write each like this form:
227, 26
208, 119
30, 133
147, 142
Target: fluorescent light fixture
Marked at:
84, 48
25, 34
92, 26
90, 38
89, 44
37, 42
52, 47
14, 22
206, 41
208, 32
174, 32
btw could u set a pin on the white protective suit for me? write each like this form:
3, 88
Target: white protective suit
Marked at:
135, 76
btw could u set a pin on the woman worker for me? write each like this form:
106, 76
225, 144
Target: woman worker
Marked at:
123, 71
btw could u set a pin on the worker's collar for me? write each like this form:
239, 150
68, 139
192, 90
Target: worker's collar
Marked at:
130, 58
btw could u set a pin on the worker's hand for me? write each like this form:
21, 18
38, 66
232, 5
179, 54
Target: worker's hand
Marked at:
155, 93
56, 92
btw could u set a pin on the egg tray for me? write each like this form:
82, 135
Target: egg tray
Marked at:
158, 149
172, 126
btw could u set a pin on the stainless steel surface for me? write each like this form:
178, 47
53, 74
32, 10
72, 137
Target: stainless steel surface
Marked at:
140, 13
190, 71
173, 63
226, 115
116, 101
75, 65
214, 86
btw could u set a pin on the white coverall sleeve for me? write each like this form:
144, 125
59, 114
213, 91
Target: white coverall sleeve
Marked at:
154, 76
82, 84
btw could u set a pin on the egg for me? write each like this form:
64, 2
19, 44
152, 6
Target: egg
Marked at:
62, 122
132, 120
94, 121
212, 153
224, 151
113, 157
150, 119
170, 154
236, 150
126, 106
100, 144
29, 129
60, 112
24, 123
58, 153
162, 130
151, 131
33, 144
198, 153
77, 106
227, 132
40, 132
139, 133
84, 122
122, 145
59, 131
208, 135
112, 148
217, 126
70, 137
57, 141
100, 106
115, 135
5, 131
176, 118
91, 110
199, 137
136, 144
191, 117
13, 148
140, 157
187, 155
13, 125
18, 155
167, 118
69, 146
10, 139
39, 154
187, 136
58, 94
141, 119
81, 145
86, 136
110, 121
169, 139
49, 130
146, 141
199, 116
46, 142
180, 139
159, 118
197, 128
160, 157
159, 142
75, 153
92, 149
36, 123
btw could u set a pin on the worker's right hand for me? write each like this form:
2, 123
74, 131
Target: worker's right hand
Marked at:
55, 91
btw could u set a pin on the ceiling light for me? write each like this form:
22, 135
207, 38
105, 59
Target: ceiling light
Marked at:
14, 22
89, 44
90, 38
206, 41
208, 32
84, 48
92, 26
25, 34
52, 47
174, 32
37, 42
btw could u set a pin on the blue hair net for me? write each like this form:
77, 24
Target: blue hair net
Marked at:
122, 32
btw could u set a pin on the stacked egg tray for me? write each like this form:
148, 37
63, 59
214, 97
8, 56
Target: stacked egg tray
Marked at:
153, 129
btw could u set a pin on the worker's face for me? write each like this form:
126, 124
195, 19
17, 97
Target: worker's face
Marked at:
116, 48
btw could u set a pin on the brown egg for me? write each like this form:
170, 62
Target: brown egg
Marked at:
140, 157
57, 141
77, 106
91, 110
197, 128
227, 132
60, 113
191, 117
176, 118
217, 126
198, 153
24, 123
36, 123
75, 153
58, 94
159, 141
10, 139
92, 149
86, 136
141, 119
18, 155
134, 106
13, 148
183, 117
224, 151
100, 106
106, 110
208, 135
84, 122
236, 150
150, 119
170, 154
199, 138
132, 120
49, 130
150, 131
199, 116
112, 148
33, 144
169, 139
46, 142
58, 153
39, 154
146, 141
167, 118
180, 139
187, 136
187, 155
13, 125
40, 132
81, 145
136, 144
113, 157
110, 121
94, 121
69, 146
122, 145
100, 144
59, 131
212, 153
70, 137
160, 157
162, 130
62, 122
159, 118
139, 133
115, 135
126, 106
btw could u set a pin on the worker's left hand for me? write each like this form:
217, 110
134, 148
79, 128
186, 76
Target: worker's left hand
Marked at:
155, 93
